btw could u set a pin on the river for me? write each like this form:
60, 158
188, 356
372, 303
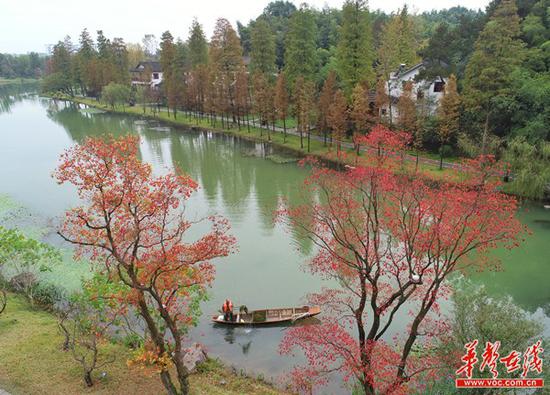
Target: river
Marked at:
237, 180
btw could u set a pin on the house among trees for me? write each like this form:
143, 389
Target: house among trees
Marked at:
426, 92
147, 72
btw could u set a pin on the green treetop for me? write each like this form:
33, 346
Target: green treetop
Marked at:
398, 44
198, 47
355, 53
498, 52
262, 54
300, 55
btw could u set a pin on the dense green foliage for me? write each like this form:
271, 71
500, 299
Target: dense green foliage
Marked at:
116, 94
90, 67
31, 65
300, 53
355, 51
20, 258
487, 319
262, 48
500, 58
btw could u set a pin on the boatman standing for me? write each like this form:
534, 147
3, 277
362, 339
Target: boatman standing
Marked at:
227, 309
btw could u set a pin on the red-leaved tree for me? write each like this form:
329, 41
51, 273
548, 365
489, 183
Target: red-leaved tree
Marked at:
132, 226
390, 240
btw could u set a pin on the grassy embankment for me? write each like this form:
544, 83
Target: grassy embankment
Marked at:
14, 81
31, 362
317, 148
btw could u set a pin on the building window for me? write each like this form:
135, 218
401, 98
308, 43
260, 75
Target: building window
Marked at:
155, 76
439, 86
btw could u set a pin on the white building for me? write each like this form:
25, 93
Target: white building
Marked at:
147, 72
425, 92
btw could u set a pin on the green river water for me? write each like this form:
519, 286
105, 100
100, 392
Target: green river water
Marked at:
238, 181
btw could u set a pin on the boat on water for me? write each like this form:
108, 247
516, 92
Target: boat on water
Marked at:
269, 316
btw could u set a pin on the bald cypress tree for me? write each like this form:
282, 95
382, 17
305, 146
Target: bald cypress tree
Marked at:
198, 47
301, 54
448, 115
360, 111
299, 104
338, 118
398, 46
167, 60
355, 51
262, 54
241, 96
407, 109
407, 117
282, 101
382, 99
226, 58
498, 52
325, 102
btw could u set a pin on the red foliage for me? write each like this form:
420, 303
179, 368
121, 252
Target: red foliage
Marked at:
391, 240
386, 143
132, 226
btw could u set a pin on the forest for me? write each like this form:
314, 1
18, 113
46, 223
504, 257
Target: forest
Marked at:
30, 65
329, 72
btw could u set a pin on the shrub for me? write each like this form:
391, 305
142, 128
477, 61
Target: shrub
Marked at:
133, 341
48, 295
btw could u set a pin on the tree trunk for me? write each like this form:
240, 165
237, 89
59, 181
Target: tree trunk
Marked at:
167, 381
3, 300
158, 339
284, 130
364, 352
485, 135
88, 379
389, 104
413, 334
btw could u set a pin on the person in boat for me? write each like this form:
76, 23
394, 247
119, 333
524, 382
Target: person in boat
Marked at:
227, 309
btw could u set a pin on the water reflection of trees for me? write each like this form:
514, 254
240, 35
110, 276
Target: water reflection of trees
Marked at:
11, 94
230, 171
79, 124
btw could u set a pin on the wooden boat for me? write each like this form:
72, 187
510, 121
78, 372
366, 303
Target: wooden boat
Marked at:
269, 316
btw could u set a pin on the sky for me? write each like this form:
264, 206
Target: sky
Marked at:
33, 25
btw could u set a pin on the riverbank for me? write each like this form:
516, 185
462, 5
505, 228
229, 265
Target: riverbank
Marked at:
424, 166
17, 81
317, 149
32, 363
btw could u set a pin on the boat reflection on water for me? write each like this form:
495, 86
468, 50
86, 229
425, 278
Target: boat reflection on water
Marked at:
244, 336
